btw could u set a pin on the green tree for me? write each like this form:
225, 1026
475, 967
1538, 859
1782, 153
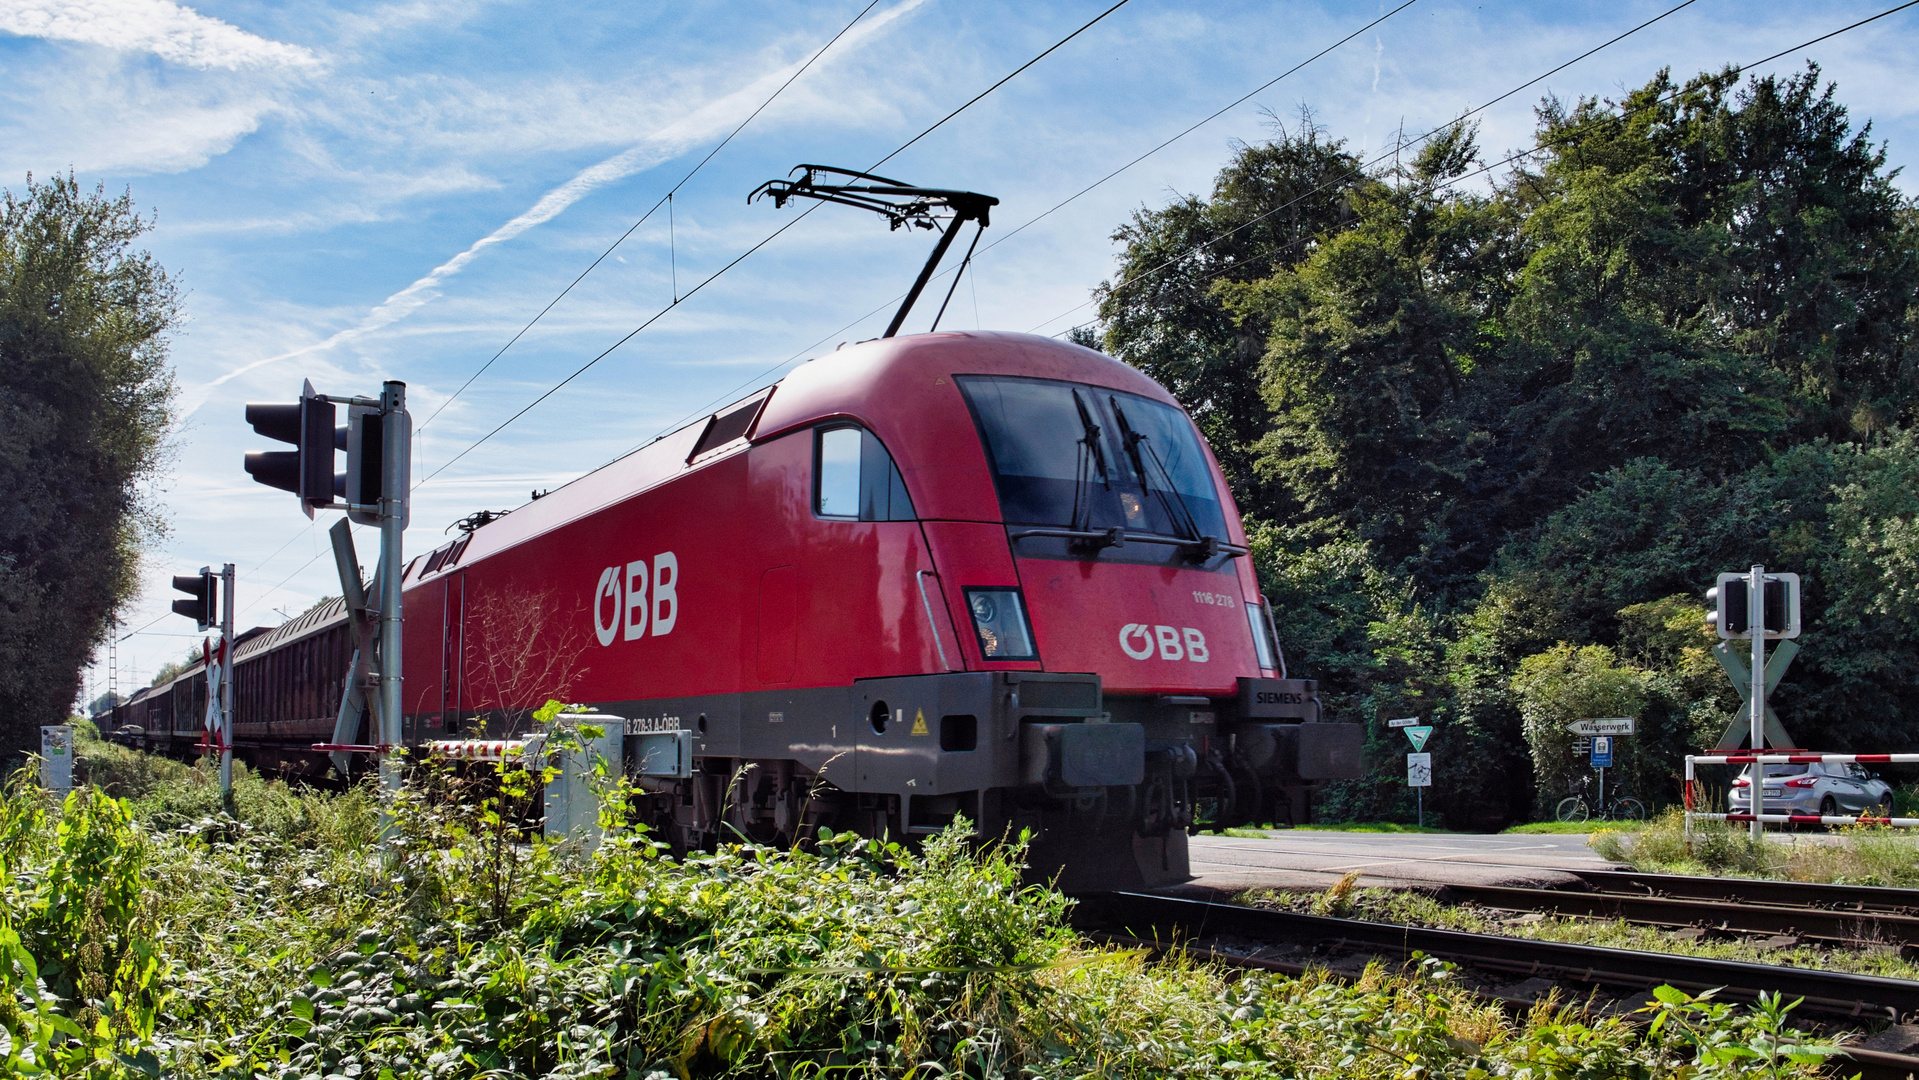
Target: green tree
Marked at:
1269, 206
1475, 427
1567, 683
85, 398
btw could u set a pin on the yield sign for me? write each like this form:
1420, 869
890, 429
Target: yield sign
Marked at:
1418, 735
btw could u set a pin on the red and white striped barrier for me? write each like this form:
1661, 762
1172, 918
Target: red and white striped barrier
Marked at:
463, 749
1799, 759
483, 749
1789, 758
1812, 819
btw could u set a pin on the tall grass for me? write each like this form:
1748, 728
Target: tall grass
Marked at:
1848, 855
137, 938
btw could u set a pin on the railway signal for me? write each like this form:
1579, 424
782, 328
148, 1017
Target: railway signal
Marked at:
378, 440
203, 589
210, 606
307, 469
1731, 615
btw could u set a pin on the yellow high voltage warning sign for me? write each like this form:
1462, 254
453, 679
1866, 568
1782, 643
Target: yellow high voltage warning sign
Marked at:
919, 722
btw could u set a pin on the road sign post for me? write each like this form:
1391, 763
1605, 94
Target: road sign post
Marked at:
1602, 760
1419, 777
1756, 606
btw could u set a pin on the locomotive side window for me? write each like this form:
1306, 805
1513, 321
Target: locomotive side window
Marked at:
855, 478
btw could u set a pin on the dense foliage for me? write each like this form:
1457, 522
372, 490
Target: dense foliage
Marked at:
289, 943
1495, 439
85, 396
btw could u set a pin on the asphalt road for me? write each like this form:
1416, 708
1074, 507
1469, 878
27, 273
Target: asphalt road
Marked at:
1296, 859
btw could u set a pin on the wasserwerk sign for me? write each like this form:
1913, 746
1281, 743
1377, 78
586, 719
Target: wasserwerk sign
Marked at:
1610, 725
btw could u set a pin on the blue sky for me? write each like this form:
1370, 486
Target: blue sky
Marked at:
356, 192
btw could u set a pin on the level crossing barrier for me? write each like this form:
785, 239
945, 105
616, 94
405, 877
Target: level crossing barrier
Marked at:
1758, 800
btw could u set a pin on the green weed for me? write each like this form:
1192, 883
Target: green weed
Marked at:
1575, 828
295, 944
1853, 855
1405, 908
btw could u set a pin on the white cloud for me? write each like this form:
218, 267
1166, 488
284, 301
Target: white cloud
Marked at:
660, 146
176, 34
95, 112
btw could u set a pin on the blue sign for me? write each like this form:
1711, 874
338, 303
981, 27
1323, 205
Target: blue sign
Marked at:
1602, 752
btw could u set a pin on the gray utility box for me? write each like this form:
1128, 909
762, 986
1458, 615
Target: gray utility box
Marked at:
572, 797
56, 757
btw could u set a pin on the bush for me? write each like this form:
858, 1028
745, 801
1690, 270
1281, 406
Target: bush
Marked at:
258, 954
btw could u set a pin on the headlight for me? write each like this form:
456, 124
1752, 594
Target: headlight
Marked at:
999, 618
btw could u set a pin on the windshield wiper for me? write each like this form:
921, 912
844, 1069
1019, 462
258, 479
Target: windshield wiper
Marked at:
1089, 450
1202, 547
1183, 520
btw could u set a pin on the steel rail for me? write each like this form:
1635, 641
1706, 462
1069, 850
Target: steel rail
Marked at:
1850, 898
1862, 997
1868, 1063
1757, 890
1727, 912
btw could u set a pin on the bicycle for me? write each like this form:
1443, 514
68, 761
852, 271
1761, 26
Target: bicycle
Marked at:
1576, 807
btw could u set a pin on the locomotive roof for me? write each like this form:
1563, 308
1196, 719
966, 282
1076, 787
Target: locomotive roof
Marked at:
870, 382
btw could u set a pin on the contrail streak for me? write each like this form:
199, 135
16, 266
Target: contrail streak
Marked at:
661, 146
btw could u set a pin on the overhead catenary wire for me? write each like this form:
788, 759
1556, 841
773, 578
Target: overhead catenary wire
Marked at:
666, 199
1540, 146
775, 234
1168, 142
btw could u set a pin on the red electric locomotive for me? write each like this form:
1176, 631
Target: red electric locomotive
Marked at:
985, 575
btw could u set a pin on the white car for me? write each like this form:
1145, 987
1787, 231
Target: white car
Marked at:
1828, 788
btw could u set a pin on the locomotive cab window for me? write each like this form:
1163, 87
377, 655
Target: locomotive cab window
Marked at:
1088, 458
855, 478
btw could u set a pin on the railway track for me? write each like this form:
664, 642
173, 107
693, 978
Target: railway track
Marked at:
1838, 914
1515, 971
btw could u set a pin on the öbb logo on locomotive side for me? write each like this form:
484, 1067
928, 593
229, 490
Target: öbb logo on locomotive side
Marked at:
621, 608
1171, 642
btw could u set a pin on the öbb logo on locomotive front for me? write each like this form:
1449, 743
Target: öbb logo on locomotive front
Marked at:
1171, 642
620, 605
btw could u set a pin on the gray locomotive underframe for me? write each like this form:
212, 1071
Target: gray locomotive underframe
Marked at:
940, 741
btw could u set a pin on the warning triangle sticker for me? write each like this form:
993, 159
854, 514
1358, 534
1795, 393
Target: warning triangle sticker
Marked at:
919, 722
1419, 735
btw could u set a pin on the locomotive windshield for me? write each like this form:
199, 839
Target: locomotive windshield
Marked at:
1085, 457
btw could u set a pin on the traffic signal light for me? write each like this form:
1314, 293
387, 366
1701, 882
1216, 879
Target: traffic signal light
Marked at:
1730, 614
306, 470
204, 588
363, 439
